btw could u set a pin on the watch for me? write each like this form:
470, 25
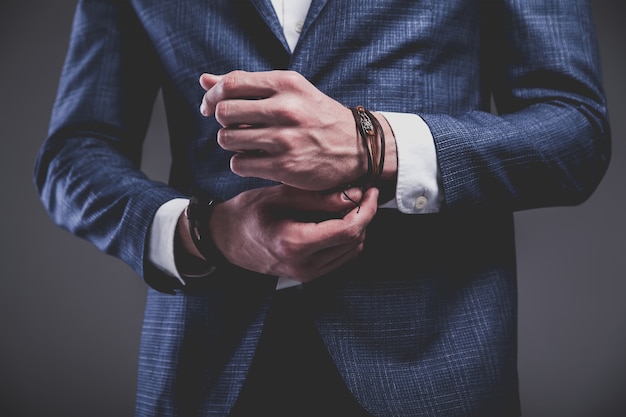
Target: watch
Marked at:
198, 213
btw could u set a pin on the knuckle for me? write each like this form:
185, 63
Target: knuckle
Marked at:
293, 76
353, 233
231, 80
284, 140
222, 137
222, 109
285, 112
284, 249
237, 165
289, 78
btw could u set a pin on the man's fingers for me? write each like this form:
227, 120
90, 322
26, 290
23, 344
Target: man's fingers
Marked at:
236, 85
326, 260
248, 139
350, 228
343, 200
253, 163
208, 81
367, 208
236, 112
332, 258
301, 200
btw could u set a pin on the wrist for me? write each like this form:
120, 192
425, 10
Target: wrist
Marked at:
198, 215
390, 170
188, 260
379, 145
388, 178
194, 252
183, 240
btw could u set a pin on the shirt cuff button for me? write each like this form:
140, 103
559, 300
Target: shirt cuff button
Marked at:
421, 202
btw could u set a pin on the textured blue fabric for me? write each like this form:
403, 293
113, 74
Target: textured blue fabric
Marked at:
424, 322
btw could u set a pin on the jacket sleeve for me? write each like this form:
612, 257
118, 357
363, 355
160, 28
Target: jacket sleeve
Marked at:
87, 172
549, 144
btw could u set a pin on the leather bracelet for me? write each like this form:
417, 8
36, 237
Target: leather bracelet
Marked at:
373, 138
362, 131
198, 213
378, 147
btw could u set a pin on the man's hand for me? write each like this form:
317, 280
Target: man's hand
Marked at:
284, 129
263, 230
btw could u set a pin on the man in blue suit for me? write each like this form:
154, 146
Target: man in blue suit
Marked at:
296, 266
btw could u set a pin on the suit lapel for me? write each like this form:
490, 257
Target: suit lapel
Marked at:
267, 13
314, 11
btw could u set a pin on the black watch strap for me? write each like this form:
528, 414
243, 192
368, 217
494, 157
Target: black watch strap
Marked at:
198, 214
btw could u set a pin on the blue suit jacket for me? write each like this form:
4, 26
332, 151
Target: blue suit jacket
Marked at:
424, 322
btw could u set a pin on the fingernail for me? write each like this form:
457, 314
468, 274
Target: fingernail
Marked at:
352, 194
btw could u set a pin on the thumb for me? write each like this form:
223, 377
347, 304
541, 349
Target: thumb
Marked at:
335, 201
346, 199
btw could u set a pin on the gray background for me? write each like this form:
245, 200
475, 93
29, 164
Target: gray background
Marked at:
70, 317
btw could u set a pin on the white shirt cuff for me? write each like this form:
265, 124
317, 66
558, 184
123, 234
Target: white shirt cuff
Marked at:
162, 232
418, 189
286, 282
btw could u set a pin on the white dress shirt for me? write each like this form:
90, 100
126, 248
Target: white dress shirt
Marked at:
418, 184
